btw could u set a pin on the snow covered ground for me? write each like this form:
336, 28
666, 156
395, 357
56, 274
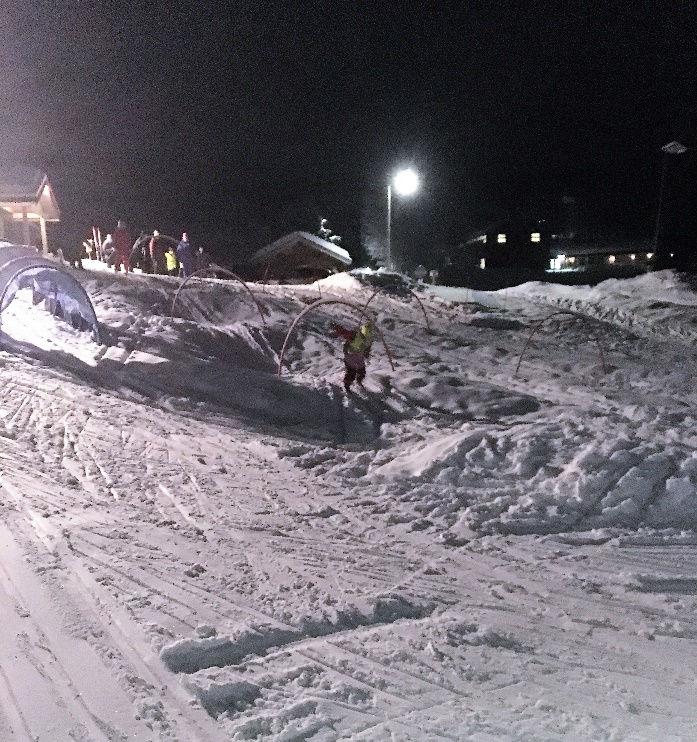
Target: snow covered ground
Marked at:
192, 548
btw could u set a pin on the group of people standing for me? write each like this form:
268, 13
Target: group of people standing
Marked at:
154, 253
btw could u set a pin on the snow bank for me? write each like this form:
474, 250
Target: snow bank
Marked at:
532, 480
658, 303
341, 555
663, 286
190, 655
340, 281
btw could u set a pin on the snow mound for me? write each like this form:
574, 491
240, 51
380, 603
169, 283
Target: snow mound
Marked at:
319, 565
456, 395
532, 480
666, 286
190, 655
339, 281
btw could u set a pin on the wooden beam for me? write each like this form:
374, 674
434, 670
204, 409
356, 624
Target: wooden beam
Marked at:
25, 228
44, 236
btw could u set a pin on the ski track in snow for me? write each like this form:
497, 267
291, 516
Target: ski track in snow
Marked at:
194, 549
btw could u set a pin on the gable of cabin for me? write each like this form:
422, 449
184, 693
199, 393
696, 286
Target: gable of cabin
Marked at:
27, 205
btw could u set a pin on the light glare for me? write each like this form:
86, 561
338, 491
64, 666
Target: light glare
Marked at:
406, 182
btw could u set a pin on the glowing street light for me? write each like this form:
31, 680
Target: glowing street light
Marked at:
406, 183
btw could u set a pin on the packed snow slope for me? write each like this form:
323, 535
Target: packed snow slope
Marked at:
193, 547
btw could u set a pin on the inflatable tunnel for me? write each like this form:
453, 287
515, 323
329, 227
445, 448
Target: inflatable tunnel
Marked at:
50, 282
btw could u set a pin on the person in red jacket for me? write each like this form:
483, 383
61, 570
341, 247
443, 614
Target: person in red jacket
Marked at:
356, 351
122, 247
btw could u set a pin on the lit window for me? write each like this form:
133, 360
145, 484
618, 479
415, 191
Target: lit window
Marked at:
535, 237
611, 259
482, 263
633, 256
649, 255
501, 238
558, 262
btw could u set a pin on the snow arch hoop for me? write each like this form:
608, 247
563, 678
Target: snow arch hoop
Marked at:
217, 269
314, 305
147, 237
414, 294
572, 315
48, 280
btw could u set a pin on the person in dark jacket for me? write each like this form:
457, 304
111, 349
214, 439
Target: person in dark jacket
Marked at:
185, 255
139, 255
156, 249
122, 247
201, 260
106, 251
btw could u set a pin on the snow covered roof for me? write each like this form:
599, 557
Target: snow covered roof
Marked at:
20, 183
305, 239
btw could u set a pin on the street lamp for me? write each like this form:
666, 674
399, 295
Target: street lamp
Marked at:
405, 183
672, 148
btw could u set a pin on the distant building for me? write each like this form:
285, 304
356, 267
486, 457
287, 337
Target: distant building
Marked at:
562, 249
27, 204
299, 257
599, 257
501, 253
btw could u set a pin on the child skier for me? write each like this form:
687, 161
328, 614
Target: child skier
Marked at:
171, 262
356, 351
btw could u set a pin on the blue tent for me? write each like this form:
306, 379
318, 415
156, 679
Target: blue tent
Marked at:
63, 294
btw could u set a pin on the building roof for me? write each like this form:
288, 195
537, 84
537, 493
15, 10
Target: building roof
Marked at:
600, 247
289, 241
20, 183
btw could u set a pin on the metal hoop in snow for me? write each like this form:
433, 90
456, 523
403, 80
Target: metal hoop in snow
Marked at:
29, 262
574, 315
414, 294
317, 303
147, 237
217, 269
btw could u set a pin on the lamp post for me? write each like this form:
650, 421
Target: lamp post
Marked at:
405, 183
672, 148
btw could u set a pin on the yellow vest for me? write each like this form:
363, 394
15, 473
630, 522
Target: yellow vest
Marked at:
360, 343
171, 259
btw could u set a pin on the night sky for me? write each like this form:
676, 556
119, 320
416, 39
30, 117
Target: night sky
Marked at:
241, 125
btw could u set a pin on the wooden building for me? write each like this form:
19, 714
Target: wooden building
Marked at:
500, 254
27, 205
591, 259
299, 257
508, 253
